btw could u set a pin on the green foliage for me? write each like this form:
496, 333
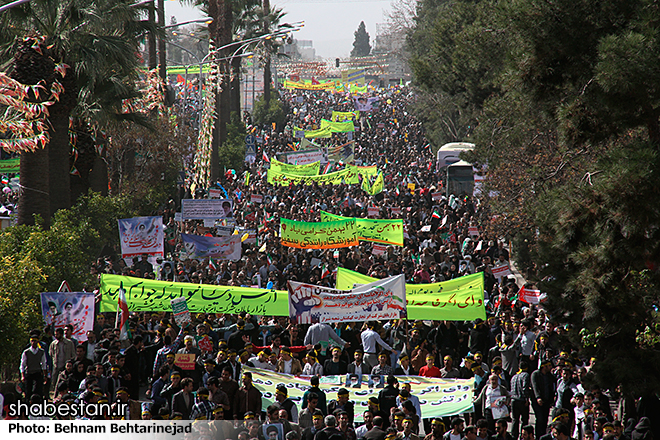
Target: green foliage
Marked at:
361, 46
232, 152
267, 114
21, 281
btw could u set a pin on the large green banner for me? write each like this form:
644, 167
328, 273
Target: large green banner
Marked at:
311, 169
374, 189
348, 175
377, 230
344, 116
460, 299
325, 132
150, 295
10, 165
318, 235
338, 127
437, 397
369, 171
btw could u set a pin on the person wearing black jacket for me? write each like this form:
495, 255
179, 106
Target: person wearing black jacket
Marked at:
335, 366
544, 385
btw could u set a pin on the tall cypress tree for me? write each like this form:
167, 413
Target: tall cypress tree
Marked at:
361, 46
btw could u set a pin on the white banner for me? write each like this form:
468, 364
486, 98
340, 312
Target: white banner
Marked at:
382, 299
304, 157
141, 235
210, 209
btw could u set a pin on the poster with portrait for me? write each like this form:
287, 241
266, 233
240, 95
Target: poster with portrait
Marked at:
141, 235
75, 308
273, 431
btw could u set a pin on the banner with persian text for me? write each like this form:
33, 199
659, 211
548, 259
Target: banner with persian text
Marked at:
141, 235
318, 235
155, 296
200, 246
311, 169
460, 299
349, 176
387, 231
380, 300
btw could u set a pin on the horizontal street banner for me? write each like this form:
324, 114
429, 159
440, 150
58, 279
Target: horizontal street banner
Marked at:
338, 127
386, 231
311, 169
437, 397
348, 175
155, 296
318, 235
460, 299
380, 300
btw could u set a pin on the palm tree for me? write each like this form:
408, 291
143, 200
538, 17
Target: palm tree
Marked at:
98, 41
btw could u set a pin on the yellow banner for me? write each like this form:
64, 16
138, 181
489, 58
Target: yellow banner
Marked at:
387, 231
338, 127
460, 299
318, 235
311, 169
347, 175
345, 116
302, 86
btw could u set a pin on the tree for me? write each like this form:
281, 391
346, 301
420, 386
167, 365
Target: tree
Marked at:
98, 41
361, 46
268, 113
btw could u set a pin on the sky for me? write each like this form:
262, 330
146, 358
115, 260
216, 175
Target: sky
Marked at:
330, 25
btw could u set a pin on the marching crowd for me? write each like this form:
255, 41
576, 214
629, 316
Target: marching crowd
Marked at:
521, 362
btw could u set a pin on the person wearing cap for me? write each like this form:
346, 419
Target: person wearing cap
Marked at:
342, 403
370, 342
203, 408
430, 370
288, 364
34, 367
335, 366
404, 368
248, 398
544, 386
382, 369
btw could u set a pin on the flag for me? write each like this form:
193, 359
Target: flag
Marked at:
247, 178
212, 264
122, 315
324, 271
530, 296
327, 167
315, 81
180, 79
435, 214
265, 157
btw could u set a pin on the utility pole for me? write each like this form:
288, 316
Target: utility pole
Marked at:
266, 6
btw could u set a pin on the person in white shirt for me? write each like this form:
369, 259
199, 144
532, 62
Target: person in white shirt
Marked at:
370, 340
312, 367
261, 361
34, 368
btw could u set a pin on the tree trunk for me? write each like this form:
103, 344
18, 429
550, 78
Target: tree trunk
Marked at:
162, 52
59, 150
267, 63
151, 39
35, 196
235, 106
98, 177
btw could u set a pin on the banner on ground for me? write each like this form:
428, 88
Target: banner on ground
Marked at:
206, 209
10, 165
386, 231
318, 235
141, 235
460, 299
437, 397
365, 104
338, 127
379, 300
344, 153
348, 176
149, 295
198, 247
305, 157
345, 116
311, 169
76, 308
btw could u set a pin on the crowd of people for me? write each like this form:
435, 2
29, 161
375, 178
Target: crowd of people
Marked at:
521, 362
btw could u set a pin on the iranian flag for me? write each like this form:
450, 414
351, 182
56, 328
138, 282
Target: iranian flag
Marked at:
122, 315
324, 271
265, 157
435, 215
212, 264
530, 296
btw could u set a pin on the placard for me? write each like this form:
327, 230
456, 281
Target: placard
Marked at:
180, 311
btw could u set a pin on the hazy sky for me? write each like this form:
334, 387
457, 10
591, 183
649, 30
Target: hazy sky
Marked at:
330, 25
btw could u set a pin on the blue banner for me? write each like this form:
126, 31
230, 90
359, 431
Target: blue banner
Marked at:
222, 248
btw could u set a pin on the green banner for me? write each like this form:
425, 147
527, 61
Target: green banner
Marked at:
338, 127
460, 299
374, 189
318, 235
365, 171
377, 230
10, 165
345, 116
311, 169
438, 397
149, 295
324, 132
348, 175
358, 89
